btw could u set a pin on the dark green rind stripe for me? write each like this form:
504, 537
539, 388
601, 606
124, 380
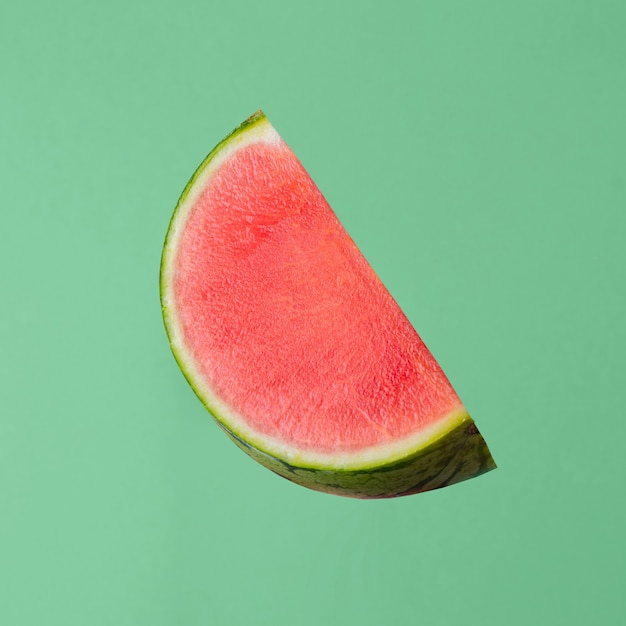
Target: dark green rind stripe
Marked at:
458, 455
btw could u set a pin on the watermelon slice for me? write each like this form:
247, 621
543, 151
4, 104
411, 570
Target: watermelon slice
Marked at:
293, 343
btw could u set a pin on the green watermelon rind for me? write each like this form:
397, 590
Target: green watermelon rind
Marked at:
451, 451
458, 455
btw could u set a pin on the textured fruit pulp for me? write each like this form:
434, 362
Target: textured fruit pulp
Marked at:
287, 321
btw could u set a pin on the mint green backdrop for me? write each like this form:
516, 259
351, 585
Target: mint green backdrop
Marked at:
476, 153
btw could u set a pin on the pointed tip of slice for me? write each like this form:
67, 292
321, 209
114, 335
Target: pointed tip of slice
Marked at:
258, 114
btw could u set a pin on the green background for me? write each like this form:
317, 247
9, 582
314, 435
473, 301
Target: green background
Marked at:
475, 151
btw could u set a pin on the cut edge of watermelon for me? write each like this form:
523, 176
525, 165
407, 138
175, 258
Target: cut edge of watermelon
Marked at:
257, 129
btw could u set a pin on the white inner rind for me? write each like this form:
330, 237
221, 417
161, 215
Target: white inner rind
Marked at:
261, 131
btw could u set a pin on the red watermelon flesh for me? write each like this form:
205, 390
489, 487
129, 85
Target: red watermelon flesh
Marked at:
287, 334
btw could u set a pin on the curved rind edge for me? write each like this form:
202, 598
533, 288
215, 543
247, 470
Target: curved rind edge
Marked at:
167, 315
459, 455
